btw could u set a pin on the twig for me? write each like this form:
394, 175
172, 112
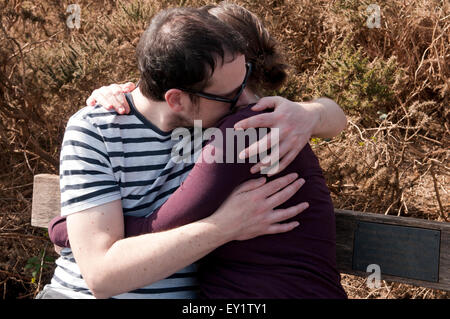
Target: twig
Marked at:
28, 163
31, 44
20, 186
425, 52
389, 208
14, 235
360, 133
388, 288
426, 293
430, 139
10, 275
372, 292
436, 189
41, 268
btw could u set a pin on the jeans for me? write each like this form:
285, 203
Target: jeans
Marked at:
50, 292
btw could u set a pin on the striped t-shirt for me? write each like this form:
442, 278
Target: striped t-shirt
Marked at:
105, 157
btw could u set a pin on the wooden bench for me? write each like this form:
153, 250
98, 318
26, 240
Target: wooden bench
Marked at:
407, 250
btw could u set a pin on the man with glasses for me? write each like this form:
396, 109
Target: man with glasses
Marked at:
192, 68
225, 99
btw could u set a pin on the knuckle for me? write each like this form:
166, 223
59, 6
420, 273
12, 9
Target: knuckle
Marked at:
280, 116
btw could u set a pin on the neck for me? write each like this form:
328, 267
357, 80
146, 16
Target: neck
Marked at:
253, 97
249, 97
154, 111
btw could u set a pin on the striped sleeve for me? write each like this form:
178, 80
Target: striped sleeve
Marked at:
86, 176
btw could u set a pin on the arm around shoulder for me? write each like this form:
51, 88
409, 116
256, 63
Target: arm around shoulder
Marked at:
332, 119
111, 264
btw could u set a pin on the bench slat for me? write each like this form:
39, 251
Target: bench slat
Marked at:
46, 199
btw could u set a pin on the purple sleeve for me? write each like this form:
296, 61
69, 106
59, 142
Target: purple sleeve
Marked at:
208, 184
201, 194
57, 231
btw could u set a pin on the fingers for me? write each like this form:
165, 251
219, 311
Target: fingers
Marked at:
274, 186
127, 87
117, 98
107, 100
112, 96
281, 215
281, 228
291, 153
250, 185
284, 194
91, 100
286, 160
260, 120
258, 147
98, 97
266, 142
124, 108
268, 102
266, 165
287, 152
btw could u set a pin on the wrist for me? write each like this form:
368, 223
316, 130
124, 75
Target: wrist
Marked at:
222, 229
315, 109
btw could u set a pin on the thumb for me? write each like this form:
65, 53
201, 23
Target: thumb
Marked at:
91, 101
250, 185
128, 87
268, 102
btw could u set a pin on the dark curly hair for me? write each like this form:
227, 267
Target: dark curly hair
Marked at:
262, 50
180, 48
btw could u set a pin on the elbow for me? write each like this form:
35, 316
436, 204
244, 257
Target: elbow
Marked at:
340, 125
339, 116
334, 120
99, 285
342, 118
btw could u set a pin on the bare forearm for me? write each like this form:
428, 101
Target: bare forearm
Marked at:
332, 119
138, 261
112, 265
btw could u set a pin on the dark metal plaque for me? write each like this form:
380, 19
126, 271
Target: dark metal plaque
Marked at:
401, 251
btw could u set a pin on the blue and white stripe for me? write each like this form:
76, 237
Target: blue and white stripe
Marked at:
105, 157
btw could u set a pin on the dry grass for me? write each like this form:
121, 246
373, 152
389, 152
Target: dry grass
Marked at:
393, 82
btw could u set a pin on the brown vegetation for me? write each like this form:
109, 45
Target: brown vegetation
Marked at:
393, 82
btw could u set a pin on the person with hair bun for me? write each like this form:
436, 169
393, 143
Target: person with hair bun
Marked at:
269, 68
300, 263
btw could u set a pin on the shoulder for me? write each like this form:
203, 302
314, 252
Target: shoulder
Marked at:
232, 141
243, 113
86, 131
96, 123
93, 115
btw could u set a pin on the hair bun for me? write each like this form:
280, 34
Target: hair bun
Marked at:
269, 68
274, 71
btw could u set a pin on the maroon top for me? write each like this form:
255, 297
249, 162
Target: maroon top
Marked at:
298, 264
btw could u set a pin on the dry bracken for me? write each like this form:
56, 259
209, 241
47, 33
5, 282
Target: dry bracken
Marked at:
392, 81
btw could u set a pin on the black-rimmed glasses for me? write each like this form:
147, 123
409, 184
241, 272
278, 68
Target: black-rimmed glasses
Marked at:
219, 98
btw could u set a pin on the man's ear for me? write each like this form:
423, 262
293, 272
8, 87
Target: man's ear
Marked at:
176, 99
